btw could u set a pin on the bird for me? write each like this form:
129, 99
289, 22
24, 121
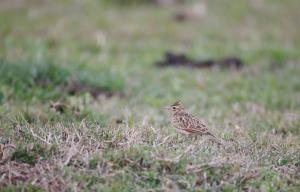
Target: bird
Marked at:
186, 123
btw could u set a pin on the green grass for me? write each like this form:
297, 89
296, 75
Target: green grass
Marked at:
124, 141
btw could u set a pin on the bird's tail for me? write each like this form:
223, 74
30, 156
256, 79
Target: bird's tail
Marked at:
216, 139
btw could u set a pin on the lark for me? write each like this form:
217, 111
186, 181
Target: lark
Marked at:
186, 123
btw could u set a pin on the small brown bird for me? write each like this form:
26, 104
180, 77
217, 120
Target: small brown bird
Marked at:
187, 123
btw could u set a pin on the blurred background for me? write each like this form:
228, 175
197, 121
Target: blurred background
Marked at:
145, 54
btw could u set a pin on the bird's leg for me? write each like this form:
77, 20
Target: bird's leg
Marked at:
189, 137
195, 138
180, 140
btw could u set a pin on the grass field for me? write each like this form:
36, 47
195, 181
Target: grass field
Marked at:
81, 96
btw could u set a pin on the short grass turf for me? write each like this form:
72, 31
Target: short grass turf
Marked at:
81, 97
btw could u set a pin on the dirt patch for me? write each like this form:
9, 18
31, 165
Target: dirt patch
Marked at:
57, 106
182, 60
75, 88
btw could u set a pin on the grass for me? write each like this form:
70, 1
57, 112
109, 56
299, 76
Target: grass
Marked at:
81, 97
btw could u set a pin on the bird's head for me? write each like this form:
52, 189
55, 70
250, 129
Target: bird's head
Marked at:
176, 107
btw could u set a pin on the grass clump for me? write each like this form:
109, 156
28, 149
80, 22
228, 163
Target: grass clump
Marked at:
24, 156
31, 153
28, 79
94, 162
45, 81
28, 188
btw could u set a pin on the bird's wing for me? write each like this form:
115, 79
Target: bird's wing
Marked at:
197, 126
195, 130
199, 123
189, 123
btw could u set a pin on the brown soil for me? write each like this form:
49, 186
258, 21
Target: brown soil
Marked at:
181, 60
75, 88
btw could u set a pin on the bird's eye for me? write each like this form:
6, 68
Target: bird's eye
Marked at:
173, 107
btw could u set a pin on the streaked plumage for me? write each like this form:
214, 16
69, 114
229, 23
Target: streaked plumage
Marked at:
187, 123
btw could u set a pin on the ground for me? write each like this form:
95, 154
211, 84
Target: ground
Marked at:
81, 97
